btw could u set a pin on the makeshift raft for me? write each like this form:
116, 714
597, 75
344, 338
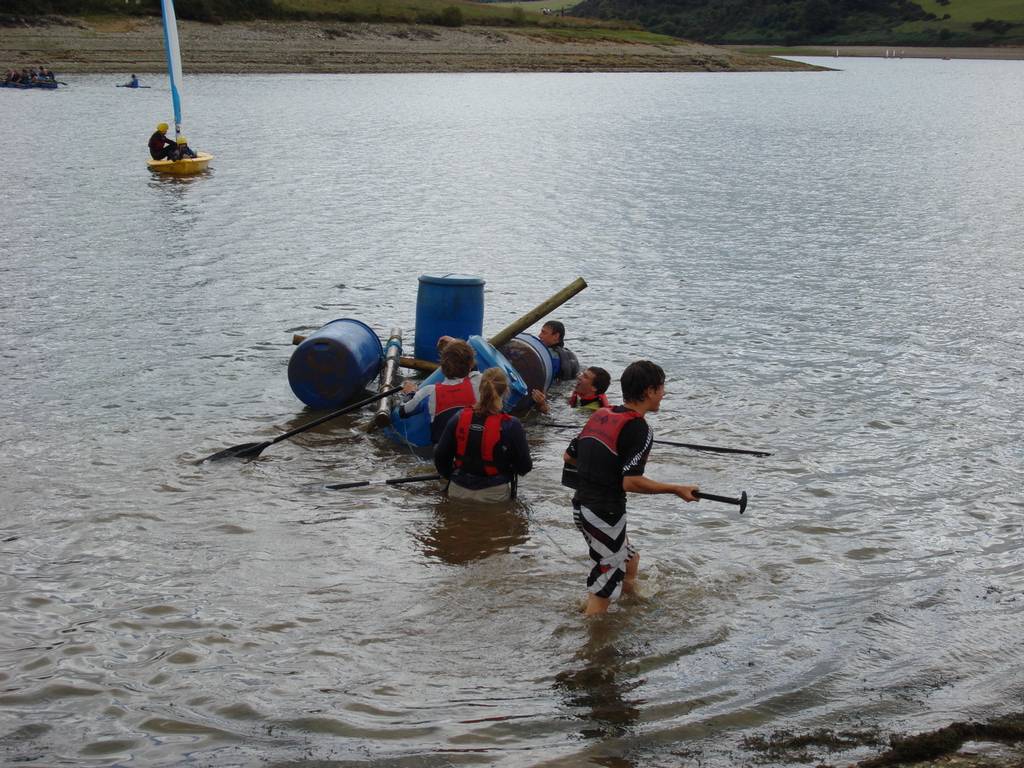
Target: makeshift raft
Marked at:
341, 359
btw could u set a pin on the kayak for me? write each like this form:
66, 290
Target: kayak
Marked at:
187, 167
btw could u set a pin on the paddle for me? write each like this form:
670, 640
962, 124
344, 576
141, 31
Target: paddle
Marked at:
741, 501
692, 446
392, 481
251, 450
134, 86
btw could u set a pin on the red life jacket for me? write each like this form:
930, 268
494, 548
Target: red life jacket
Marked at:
449, 396
606, 425
474, 448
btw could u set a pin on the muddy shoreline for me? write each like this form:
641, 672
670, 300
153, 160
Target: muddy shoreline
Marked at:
130, 44
126, 45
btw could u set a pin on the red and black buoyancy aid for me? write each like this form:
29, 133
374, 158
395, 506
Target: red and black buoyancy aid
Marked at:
606, 425
449, 396
476, 437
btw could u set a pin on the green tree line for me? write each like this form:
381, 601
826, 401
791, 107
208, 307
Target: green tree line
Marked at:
794, 22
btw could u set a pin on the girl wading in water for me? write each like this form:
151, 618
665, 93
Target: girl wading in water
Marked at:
482, 450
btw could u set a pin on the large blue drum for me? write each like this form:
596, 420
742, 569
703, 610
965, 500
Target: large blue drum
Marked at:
335, 363
532, 362
447, 305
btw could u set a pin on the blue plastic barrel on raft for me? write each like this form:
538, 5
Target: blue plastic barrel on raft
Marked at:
414, 430
447, 305
532, 361
335, 363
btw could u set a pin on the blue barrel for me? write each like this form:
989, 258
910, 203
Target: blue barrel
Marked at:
447, 305
532, 362
335, 363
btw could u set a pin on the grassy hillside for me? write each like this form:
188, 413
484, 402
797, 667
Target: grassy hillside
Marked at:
450, 13
760, 22
812, 22
976, 10
958, 22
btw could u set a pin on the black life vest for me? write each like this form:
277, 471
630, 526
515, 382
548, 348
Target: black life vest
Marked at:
476, 437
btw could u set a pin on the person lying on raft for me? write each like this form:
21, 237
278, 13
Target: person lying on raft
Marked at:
483, 451
588, 395
460, 388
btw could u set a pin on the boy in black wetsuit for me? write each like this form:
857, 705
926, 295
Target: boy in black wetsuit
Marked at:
610, 456
552, 336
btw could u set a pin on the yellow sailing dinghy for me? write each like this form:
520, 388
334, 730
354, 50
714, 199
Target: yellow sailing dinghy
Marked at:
189, 165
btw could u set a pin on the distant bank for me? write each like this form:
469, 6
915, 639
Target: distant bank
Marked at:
128, 44
883, 51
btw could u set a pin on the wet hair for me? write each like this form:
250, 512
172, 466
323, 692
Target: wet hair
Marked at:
556, 327
493, 386
457, 359
602, 379
638, 378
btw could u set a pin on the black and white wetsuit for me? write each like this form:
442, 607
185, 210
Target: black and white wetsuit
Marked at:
614, 444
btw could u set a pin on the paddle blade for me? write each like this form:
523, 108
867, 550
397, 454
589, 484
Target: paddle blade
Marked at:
243, 451
743, 502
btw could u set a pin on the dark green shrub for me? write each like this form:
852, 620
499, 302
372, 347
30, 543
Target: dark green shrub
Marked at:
451, 17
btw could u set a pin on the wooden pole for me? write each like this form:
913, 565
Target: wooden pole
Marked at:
544, 308
427, 366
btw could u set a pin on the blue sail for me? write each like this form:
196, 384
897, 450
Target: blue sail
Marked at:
173, 59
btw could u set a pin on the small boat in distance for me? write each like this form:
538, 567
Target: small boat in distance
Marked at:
46, 85
187, 166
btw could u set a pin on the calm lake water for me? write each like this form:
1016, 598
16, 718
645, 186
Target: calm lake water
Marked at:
828, 266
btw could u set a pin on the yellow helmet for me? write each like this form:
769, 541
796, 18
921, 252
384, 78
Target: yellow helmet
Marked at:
162, 127
181, 140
